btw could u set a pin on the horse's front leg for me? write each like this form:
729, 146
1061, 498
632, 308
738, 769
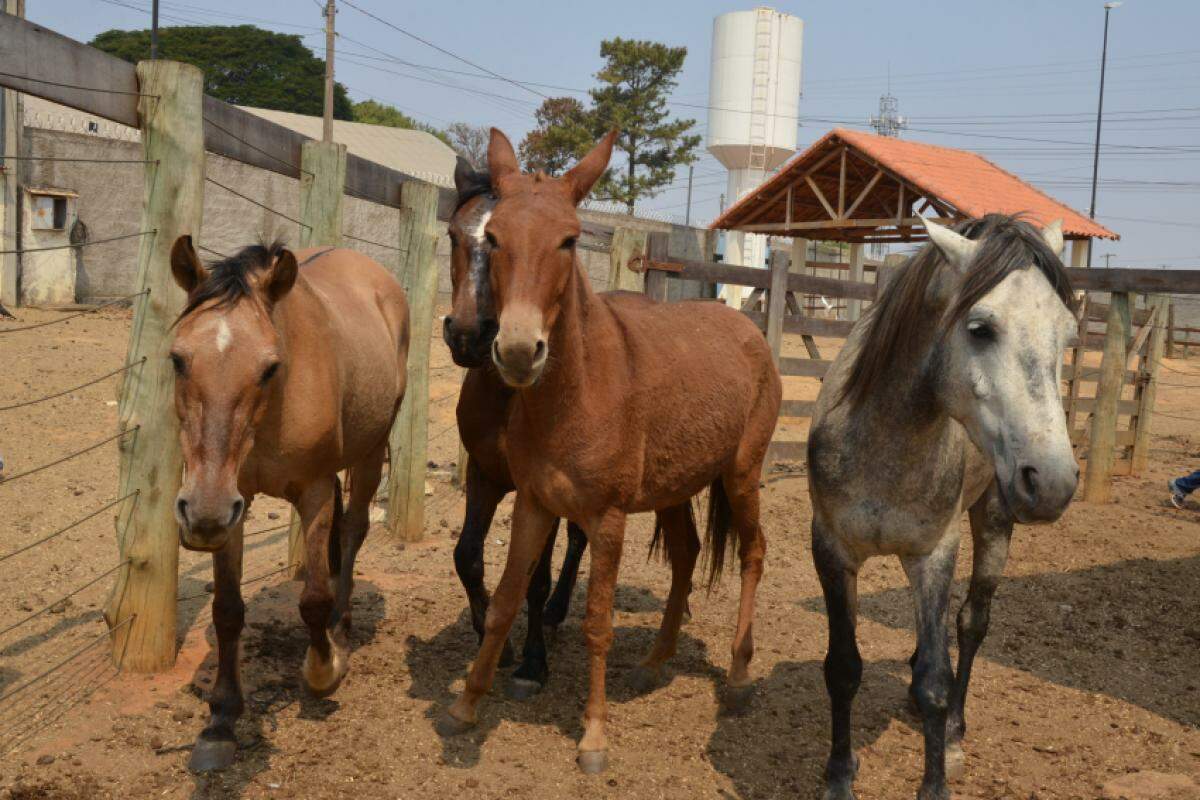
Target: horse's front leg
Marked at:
326, 661
482, 498
606, 537
991, 531
529, 678
933, 679
216, 746
531, 524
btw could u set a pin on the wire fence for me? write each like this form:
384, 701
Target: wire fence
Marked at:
76, 315
254, 202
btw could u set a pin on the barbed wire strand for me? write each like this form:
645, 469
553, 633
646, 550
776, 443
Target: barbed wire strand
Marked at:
65, 597
217, 253
263, 206
73, 86
256, 148
92, 382
81, 160
81, 244
9, 479
376, 244
92, 310
66, 528
41, 676
246, 582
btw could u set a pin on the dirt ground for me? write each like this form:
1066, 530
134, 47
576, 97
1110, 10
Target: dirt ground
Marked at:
1088, 684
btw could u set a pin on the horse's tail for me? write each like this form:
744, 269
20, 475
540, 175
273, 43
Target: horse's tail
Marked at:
716, 534
335, 529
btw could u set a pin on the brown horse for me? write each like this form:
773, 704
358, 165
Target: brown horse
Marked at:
483, 410
619, 409
285, 374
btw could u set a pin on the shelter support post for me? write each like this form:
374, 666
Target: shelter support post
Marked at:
408, 441
853, 304
777, 302
141, 609
1102, 448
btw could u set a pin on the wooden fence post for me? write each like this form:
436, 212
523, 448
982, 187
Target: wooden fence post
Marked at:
777, 302
1077, 356
1102, 447
1148, 383
626, 243
322, 193
657, 245
141, 609
1170, 344
408, 441
854, 305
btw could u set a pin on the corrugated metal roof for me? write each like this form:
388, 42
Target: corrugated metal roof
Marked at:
965, 180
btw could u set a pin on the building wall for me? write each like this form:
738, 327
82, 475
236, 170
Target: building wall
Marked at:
110, 200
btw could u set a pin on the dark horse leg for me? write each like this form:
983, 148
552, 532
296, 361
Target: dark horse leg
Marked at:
482, 498
560, 601
352, 530
843, 664
216, 746
327, 660
933, 679
529, 678
683, 547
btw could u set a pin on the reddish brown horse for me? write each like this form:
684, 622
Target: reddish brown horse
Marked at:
483, 411
619, 409
286, 372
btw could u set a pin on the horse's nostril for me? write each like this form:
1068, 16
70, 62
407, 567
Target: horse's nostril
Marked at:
488, 328
539, 349
236, 513
181, 506
496, 353
1029, 481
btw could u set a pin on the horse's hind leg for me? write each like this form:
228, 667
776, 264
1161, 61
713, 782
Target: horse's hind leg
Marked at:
683, 547
933, 678
363, 482
752, 547
325, 663
482, 498
560, 601
991, 530
843, 664
217, 744
529, 678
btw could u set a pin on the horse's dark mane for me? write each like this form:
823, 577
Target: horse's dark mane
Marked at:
476, 183
1007, 243
229, 279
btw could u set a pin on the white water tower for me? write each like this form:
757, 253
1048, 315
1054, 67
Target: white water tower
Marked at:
754, 107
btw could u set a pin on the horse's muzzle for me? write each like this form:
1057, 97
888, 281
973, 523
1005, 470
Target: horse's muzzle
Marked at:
205, 526
470, 346
1041, 495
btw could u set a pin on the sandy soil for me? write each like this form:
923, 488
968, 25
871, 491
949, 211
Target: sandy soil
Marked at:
1089, 674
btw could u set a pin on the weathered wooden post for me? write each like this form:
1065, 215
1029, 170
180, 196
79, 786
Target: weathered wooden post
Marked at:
657, 248
1148, 382
1077, 356
1102, 448
1170, 345
408, 440
626, 243
141, 610
777, 301
853, 304
322, 193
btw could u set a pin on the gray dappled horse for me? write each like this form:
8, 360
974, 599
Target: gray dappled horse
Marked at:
945, 399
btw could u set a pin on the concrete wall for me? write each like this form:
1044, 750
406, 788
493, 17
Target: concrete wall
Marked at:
110, 199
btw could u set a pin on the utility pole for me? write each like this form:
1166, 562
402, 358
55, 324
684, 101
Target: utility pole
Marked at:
154, 30
687, 217
1099, 117
327, 129
1108, 259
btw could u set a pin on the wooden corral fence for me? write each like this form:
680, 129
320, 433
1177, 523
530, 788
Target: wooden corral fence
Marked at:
179, 125
1109, 424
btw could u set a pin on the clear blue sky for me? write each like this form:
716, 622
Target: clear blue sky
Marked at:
987, 76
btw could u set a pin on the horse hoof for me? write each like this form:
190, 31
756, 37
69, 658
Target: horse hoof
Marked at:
737, 698
840, 792
322, 680
593, 762
448, 725
643, 680
521, 688
210, 755
956, 762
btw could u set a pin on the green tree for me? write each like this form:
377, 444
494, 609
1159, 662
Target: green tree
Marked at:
565, 131
375, 113
632, 97
242, 64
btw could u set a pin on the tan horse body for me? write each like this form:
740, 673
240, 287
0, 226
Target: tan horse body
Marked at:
289, 369
620, 408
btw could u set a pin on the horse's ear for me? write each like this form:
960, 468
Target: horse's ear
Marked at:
502, 159
955, 248
282, 276
185, 264
1053, 235
464, 176
584, 175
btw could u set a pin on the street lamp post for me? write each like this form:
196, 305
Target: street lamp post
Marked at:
1099, 117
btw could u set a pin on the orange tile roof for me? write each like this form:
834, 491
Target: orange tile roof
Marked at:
965, 180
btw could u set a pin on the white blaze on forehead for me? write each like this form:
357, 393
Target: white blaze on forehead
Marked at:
224, 336
479, 223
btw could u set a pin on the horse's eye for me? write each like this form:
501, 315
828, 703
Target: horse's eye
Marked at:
490, 239
179, 364
269, 372
981, 331
568, 243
